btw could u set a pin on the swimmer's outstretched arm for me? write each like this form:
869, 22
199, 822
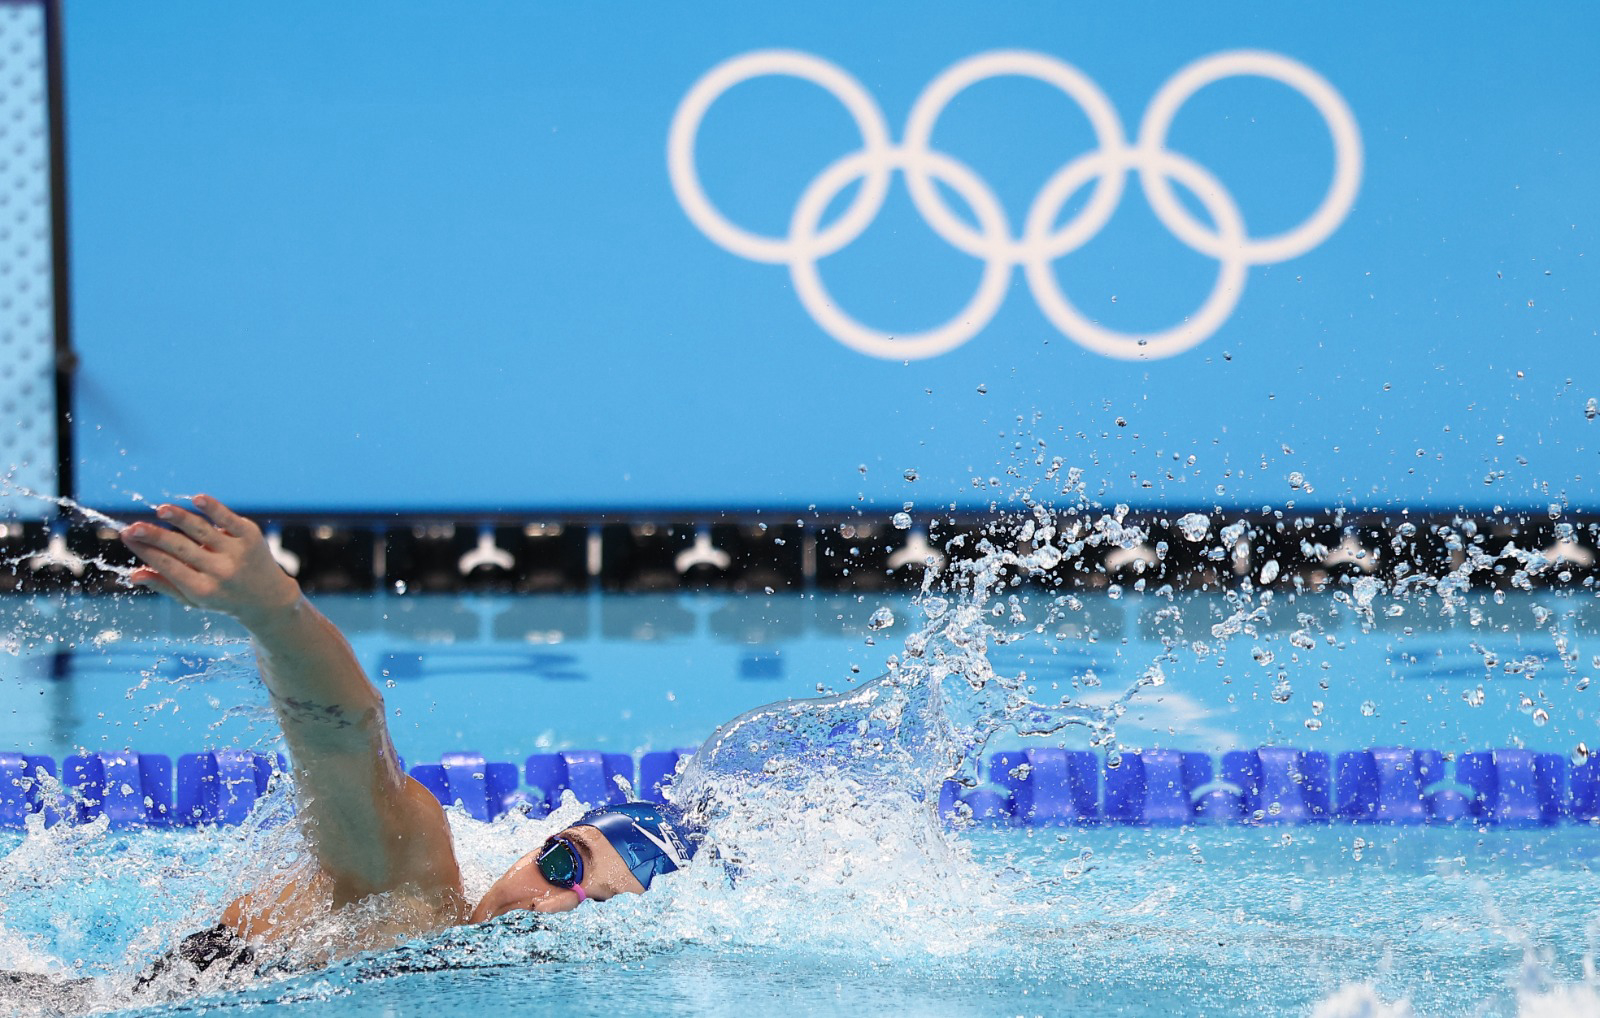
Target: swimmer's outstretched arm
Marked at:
370, 825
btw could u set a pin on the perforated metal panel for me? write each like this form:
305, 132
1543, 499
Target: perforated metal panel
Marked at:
27, 339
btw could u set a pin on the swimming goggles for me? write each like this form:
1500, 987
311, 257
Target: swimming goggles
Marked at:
561, 864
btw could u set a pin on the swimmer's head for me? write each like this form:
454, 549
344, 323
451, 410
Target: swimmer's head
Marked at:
608, 851
651, 837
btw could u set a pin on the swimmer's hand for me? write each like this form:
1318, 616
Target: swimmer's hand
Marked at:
217, 561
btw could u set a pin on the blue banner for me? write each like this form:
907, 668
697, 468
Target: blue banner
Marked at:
495, 255
27, 297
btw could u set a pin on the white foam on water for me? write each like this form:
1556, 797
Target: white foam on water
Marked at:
1571, 1000
22, 952
1360, 1000
1579, 999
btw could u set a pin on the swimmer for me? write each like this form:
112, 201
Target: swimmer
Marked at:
376, 836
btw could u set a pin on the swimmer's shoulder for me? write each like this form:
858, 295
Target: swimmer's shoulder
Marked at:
303, 901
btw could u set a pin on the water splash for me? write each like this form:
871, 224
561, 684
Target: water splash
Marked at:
835, 799
89, 513
57, 555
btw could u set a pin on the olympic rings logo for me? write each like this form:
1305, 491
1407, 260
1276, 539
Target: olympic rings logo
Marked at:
1041, 241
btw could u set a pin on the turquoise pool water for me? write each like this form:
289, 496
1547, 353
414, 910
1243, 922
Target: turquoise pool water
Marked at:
1103, 921
508, 676
1324, 919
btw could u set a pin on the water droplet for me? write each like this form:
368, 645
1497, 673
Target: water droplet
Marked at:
1541, 717
1313, 724
1269, 572
1580, 753
1369, 709
916, 644
902, 521
1365, 589
1297, 480
1194, 526
1473, 697
1591, 409
910, 474
883, 618
1282, 691
1122, 422
983, 390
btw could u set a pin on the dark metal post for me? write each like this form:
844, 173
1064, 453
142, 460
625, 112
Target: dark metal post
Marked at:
66, 357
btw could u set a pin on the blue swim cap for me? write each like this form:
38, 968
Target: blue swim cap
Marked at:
652, 837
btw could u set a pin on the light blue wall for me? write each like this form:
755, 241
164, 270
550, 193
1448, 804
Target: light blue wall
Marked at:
366, 255
27, 302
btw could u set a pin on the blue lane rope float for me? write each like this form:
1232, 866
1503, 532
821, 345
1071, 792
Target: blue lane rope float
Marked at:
1038, 787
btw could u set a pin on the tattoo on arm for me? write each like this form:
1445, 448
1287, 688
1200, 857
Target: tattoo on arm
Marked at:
311, 712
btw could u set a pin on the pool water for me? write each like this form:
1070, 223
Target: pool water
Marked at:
1326, 919
509, 676
1100, 920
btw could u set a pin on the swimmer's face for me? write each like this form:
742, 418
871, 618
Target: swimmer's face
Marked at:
523, 886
